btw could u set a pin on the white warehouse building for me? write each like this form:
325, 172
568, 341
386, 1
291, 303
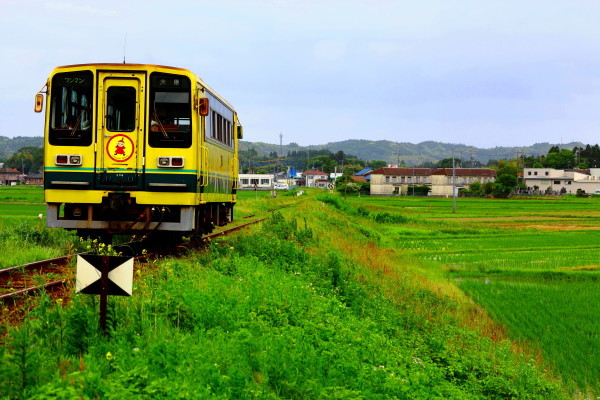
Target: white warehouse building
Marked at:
256, 181
559, 181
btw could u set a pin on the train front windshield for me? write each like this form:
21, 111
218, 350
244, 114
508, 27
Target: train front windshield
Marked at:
170, 111
71, 97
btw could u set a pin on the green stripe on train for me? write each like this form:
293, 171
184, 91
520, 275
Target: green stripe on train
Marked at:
154, 182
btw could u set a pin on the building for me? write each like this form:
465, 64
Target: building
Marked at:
255, 181
9, 176
443, 179
397, 181
34, 179
362, 176
558, 181
318, 179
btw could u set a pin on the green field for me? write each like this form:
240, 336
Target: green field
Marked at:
23, 235
358, 299
533, 264
21, 194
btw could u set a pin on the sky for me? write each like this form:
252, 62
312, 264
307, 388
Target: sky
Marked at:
483, 73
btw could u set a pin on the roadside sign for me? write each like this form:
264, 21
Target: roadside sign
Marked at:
89, 275
104, 275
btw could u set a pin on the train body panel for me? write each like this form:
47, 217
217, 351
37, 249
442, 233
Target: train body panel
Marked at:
136, 148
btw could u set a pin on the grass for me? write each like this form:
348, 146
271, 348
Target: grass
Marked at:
23, 235
293, 309
21, 194
369, 298
562, 317
29, 240
533, 264
275, 314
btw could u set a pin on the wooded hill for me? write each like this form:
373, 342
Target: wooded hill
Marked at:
384, 150
9, 146
409, 153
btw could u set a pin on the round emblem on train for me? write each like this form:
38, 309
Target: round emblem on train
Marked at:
120, 148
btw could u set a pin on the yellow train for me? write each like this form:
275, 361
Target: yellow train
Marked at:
134, 148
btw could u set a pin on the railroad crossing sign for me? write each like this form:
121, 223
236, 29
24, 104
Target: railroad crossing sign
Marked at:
119, 272
104, 275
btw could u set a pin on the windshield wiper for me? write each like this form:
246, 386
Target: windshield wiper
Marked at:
77, 122
159, 123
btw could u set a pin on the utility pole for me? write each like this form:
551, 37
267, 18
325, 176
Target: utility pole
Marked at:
471, 152
521, 156
453, 185
345, 180
413, 180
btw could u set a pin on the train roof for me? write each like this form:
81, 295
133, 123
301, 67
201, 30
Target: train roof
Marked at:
148, 66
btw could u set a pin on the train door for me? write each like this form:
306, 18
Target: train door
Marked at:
119, 160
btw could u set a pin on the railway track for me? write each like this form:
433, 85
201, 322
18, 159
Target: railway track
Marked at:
49, 274
25, 278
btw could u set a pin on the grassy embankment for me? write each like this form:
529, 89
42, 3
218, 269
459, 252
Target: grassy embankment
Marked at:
314, 303
533, 264
23, 235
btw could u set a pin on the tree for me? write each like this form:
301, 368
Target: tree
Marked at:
475, 187
560, 160
322, 162
339, 156
554, 149
505, 184
507, 167
346, 184
488, 187
447, 163
376, 164
27, 159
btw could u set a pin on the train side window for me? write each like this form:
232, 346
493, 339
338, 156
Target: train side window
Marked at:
228, 133
213, 125
219, 129
71, 109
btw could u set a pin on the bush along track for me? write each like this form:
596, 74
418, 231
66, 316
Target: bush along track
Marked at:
274, 314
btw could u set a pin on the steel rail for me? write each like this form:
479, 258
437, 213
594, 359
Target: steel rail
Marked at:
62, 261
58, 261
32, 288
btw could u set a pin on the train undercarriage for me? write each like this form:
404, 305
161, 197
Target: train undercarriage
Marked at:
119, 214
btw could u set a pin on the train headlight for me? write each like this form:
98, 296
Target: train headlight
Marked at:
170, 162
68, 159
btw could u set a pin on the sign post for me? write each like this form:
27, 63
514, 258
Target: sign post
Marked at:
104, 275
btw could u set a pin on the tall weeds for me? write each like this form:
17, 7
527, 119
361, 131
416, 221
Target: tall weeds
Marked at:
277, 313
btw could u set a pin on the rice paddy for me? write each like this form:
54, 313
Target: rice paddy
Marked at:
533, 264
